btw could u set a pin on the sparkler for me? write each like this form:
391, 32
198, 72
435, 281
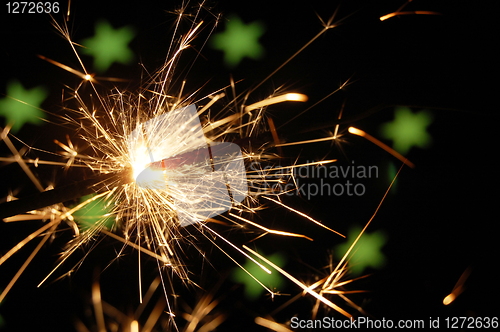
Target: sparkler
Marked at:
160, 162
158, 192
400, 11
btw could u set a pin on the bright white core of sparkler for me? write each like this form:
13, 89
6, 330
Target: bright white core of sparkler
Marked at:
170, 153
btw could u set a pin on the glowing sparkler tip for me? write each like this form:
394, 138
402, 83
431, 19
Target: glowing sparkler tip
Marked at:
449, 298
356, 131
134, 326
296, 97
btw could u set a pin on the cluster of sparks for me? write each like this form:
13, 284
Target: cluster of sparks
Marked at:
140, 138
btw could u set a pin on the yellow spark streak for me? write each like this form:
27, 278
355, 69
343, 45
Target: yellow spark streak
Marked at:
241, 251
210, 103
318, 283
152, 319
368, 222
184, 43
316, 103
179, 96
331, 281
66, 215
147, 297
238, 264
139, 281
28, 239
213, 324
303, 215
65, 33
331, 138
274, 133
68, 12
352, 304
400, 12
202, 309
98, 311
136, 246
300, 284
272, 231
338, 125
330, 288
262, 103
131, 244
86, 77
417, 12
375, 141
221, 122
326, 26
134, 326
27, 262
276, 100
271, 325
24, 217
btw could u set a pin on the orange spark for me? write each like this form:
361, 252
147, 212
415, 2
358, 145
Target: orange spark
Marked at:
458, 289
276, 100
416, 12
375, 141
330, 138
400, 12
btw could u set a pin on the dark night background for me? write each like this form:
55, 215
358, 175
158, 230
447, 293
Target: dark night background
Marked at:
439, 221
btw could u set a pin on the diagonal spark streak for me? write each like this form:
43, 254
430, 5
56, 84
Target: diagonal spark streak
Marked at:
303, 215
301, 285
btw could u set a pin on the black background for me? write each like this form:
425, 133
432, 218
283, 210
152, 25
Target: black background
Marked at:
440, 220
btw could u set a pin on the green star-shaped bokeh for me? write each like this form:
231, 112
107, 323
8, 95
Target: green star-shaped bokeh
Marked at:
109, 45
22, 105
93, 214
366, 252
408, 129
239, 40
252, 288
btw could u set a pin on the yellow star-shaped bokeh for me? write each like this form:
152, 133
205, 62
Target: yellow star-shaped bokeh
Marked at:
408, 129
240, 40
252, 288
109, 45
22, 105
367, 251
